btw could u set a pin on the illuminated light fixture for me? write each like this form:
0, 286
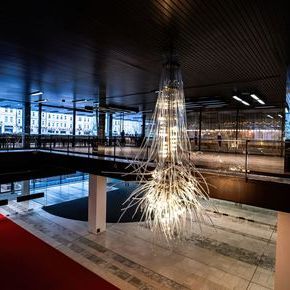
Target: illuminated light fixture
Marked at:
240, 100
41, 101
269, 116
286, 110
279, 115
80, 101
256, 98
172, 194
37, 93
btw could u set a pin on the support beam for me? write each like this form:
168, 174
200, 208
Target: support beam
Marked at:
74, 126
102, 115
199, 130
26, 120
282, 270
143, 126
25, 187
39, 124
110, 128
97, 203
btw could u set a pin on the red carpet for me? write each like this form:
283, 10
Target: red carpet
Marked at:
26, 262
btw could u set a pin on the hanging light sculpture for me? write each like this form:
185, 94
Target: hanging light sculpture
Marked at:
174, 195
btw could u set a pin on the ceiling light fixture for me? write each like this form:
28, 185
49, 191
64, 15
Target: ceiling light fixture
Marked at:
256, 98
80, 101
269, 116
279, 115
174, 196
37, 93
241, 101
41, 101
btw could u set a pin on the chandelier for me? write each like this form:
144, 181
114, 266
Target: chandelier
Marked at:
172, 197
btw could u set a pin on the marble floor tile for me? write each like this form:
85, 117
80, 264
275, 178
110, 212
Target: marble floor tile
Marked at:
237, 253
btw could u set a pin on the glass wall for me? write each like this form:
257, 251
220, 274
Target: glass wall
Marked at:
86, 124
261, 125
287, 125
130, 123
10, 120
245, 125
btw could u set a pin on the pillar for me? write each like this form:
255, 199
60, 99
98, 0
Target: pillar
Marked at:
97, 203
282, 269
74, 126
199, 130
26, 120
102, 115
39, 124
110, 128
237, 130
143, 126
25, 190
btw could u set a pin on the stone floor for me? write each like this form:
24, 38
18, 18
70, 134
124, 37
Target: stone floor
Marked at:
238, 252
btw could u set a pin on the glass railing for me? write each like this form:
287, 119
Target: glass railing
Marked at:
234, 156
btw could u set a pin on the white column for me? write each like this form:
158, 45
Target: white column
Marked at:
97, 203
282, 269
25, 187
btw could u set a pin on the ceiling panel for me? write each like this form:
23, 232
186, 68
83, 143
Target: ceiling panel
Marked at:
68, 49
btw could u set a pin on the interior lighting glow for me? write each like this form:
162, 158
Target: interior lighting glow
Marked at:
38, 93
241, 101
255, 97
173, 196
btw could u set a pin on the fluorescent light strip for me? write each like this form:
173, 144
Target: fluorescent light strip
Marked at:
269, 116
38, 93
80, 101
240, 100
261, 102
280, 115
255, 97
41, 101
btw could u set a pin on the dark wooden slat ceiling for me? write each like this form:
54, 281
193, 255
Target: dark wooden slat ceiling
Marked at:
68, 49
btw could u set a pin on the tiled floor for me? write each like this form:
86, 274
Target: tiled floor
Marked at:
237, 253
